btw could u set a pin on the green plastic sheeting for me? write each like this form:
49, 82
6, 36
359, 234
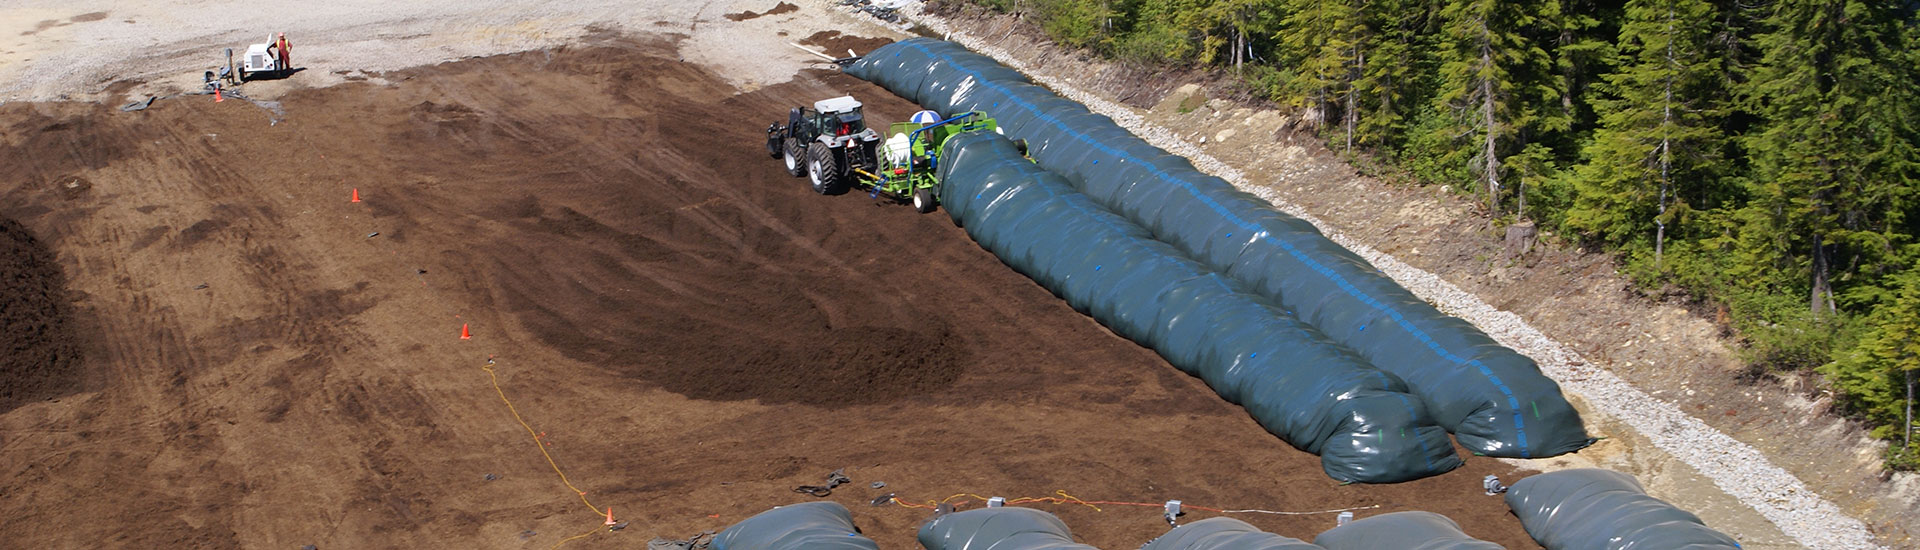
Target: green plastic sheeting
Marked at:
1402, 531
805, 526
998, 529
1224, 534
1494, 400
1594, 509
1313, 393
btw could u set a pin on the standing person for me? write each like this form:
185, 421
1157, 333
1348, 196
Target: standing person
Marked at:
286, 59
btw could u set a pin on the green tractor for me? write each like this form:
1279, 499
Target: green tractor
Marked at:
902, 169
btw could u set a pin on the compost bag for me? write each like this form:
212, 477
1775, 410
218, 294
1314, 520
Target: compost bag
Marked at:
806, 526
1594, 509
1402, 531
998, 529
1494, 400
1313, 393
1224, 534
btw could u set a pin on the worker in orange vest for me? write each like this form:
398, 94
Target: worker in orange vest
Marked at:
286, 61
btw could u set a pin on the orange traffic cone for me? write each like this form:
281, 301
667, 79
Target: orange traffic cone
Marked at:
609, 515
216, 95
356, 194
464, 335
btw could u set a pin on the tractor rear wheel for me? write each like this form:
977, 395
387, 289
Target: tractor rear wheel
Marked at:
822, 171
795, 156
923, 201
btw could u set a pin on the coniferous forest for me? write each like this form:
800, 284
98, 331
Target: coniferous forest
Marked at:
1759, 156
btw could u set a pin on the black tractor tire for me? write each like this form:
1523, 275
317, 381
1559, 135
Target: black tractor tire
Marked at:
795, 157
924, 201
822, 171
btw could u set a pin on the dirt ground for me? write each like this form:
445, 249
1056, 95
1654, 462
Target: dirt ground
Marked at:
690, 332
36, 326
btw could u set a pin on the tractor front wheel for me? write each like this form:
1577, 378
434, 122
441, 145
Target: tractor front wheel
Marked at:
822, 171
795, 156
923, 201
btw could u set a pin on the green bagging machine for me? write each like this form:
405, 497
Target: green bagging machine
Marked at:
904, 168
911, 156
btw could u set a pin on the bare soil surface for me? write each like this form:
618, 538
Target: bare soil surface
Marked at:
778, 9
40, 349
1674, 350
836, 44
690, 332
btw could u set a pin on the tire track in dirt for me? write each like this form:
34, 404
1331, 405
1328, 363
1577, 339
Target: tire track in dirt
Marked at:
163, 374
668, 160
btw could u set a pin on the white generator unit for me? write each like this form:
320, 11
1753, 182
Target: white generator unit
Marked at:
267, 58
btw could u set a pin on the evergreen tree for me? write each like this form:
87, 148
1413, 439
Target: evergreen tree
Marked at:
1079, 23
1584, 53
1877, 377
1835, 159
1498, 85
1325, 39
1392, 71
1659, 127
1152, 31
1225, 26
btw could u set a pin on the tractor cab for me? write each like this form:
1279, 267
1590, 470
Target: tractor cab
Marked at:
839, 116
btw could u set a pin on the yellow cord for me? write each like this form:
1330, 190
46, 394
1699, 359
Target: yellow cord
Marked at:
543, 452
556, 545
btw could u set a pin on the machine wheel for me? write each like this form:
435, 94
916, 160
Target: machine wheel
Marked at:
795, 157
821, 170
923, 201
